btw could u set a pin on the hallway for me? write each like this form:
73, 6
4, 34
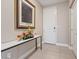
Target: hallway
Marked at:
27, 24
50, 51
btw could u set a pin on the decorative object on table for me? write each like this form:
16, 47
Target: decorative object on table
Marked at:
19, 37
26, 35
29, 33
25, 14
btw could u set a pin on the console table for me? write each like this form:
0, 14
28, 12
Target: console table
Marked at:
15, 43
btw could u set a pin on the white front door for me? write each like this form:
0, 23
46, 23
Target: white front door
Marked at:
50, 25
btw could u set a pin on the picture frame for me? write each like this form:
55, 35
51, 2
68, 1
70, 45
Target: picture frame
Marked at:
24, 14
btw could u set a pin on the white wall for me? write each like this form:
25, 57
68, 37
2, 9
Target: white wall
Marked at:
63, 36
9, 32
63, 23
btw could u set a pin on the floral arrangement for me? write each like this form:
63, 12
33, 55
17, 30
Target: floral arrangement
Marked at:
25, 35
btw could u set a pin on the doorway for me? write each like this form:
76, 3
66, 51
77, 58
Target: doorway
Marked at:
50, 25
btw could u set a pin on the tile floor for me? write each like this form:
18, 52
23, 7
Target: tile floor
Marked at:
52, 52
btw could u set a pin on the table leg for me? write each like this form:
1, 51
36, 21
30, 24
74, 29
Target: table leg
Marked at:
36, 43
41, 42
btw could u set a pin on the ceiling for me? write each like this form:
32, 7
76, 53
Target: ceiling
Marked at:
45, 3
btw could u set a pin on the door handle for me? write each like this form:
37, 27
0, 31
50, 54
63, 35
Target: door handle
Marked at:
54, 27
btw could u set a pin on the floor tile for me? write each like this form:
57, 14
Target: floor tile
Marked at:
52, 52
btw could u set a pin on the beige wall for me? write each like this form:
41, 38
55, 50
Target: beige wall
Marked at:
63, 23
7, 23
9, 32
74, 27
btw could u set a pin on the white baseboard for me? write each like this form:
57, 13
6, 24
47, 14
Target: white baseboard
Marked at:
65, 45
60, 44
48, 43
70, 47
27, 53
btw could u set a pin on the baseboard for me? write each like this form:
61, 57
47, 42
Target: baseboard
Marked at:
70, 47
60, 44
64, 45
27, 53
48, 43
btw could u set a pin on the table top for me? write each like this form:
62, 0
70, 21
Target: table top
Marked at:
8, 45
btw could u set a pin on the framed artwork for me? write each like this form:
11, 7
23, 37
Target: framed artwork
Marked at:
25, 14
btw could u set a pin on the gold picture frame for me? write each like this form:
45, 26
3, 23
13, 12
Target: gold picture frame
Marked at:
24, 14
